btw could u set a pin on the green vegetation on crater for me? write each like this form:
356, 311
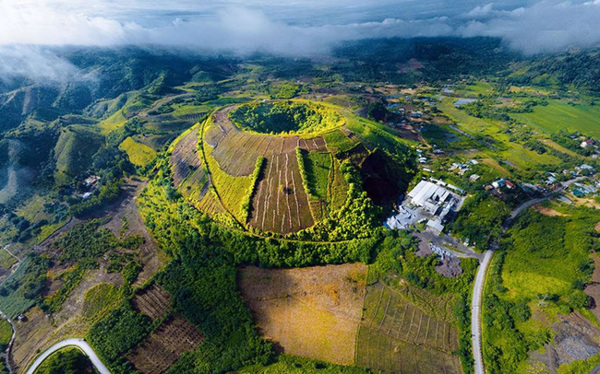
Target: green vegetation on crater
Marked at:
284, 117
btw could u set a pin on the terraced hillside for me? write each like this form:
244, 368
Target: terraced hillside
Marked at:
253, 164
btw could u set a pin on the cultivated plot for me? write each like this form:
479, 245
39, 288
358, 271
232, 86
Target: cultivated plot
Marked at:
311, 312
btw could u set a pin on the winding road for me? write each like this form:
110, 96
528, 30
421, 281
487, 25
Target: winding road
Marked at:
478, 286
79, 343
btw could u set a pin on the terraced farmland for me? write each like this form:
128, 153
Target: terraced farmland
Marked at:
396, 336
165, 345
276, 198
153, 302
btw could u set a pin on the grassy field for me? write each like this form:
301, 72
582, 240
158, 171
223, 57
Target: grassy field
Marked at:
497, 143
336, 140
536, 283
318, 167
479, 88
559, 114
15, 301
100, 300
139, 154
231, 189
5, 333
113, 122
6, 260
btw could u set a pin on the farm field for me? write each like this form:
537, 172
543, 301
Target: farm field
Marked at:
559, 114
153, 302
498, 143
163, 347
139, 154
397, 336
310, 312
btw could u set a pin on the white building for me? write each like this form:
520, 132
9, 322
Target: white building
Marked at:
429, 196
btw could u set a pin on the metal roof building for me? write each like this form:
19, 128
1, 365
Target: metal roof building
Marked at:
429, 196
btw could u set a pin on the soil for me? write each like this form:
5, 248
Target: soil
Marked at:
575, 339
311, 312
548, 211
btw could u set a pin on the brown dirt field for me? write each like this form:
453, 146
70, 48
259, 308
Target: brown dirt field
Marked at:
311, 312
165, 345
548, 211
281, 204
153, 302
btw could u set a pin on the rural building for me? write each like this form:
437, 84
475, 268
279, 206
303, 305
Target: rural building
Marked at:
587, 143
429, 196
499, 183
474, 177
510, 185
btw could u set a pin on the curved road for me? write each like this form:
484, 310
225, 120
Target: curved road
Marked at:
481, 273
81, 344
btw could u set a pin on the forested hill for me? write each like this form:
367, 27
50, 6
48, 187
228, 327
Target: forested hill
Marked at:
580, 70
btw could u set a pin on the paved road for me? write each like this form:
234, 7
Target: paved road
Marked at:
81, 344
481, 273
476, 311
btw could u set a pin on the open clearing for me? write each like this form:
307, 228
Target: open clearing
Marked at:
311, 312
397, 336
559, 114
165, 345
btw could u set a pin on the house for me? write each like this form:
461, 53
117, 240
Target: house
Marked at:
474, 177
416, 114
473, 162
499, 183
587, 143
510, 185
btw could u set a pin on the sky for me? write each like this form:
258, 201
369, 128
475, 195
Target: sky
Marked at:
294, 27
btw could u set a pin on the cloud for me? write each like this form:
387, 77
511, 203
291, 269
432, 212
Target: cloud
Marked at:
36, 63
547, 26
298, 27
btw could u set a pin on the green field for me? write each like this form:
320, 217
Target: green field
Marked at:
479, 88
300, 365
20, 290
100, 300
338, 141
558, 115
5, 333
318, 167
538, 278
66, 361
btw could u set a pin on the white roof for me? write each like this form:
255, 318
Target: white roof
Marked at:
425, 191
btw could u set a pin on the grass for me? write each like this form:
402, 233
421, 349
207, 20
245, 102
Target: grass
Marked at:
559, 114
338, 141
479, 88
231, 189
113, 122
534, 282
100, 300
495, 141
6, 260
5, 333
300, 365
318, 167
139, 154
